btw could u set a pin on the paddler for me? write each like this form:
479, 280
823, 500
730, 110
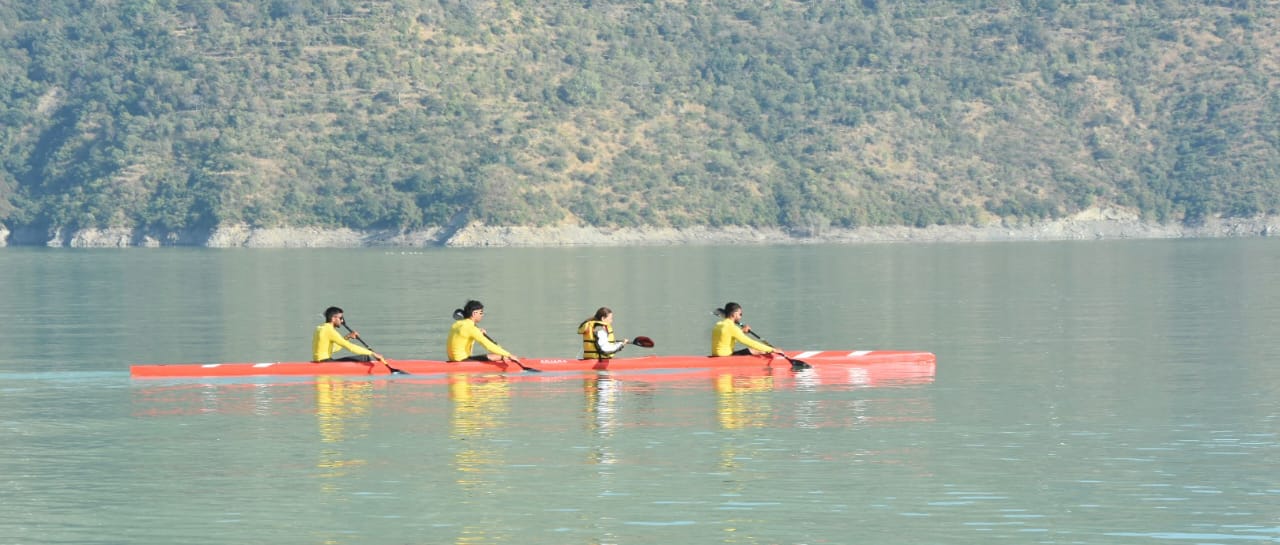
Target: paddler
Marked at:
728, 331
465, 333
597, 336
328, 340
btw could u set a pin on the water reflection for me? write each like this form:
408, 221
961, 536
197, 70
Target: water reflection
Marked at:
480, 408
752, 422
743, 402
601, 393
342, 407
257, 399
740, 401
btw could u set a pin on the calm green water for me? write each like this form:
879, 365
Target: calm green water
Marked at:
1095, 393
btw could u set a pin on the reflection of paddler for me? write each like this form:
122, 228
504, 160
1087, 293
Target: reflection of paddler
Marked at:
727, 383
602, 396
738, 403
478, 406
459, 388
487, 397
724, 383
337, 403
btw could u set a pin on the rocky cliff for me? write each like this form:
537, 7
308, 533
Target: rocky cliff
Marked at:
1091, 224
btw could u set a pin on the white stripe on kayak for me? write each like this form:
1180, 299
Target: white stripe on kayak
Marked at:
808, 354
857, 353
210, 365
263, 364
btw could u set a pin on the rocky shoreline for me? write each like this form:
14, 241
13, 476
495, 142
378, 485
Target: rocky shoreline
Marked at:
1092, 224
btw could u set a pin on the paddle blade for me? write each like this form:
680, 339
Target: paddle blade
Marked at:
642, 342
525, 367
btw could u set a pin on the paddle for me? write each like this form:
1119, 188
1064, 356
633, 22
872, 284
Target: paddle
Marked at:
393, 370
641, 341
796, 365
522, 365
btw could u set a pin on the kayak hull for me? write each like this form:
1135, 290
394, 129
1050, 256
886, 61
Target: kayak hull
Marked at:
428, 367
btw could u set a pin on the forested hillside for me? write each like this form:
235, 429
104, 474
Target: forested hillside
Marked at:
182, 115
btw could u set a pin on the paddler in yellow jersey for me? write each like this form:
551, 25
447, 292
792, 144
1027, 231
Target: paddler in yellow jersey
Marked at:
728, 331
597, 336
465, 333
328, 340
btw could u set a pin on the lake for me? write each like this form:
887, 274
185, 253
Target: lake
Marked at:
1085, 392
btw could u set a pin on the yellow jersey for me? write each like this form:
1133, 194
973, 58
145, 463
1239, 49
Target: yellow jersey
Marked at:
726, 332
327, 340
463, 335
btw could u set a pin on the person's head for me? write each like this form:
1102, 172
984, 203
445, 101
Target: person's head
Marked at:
603, 314
733, 310
473, 310
331, 313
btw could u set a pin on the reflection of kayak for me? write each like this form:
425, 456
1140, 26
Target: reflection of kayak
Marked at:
858, 358
609, 394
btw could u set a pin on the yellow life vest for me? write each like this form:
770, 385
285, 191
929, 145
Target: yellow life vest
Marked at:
589, 349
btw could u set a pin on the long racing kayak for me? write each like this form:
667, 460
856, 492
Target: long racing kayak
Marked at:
815, 358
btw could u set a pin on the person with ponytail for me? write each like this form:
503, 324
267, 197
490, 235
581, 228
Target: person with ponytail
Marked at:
597, 336
728, 331
465, 333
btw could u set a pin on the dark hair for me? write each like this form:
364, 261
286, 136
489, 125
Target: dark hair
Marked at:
599, 315
329, 312
729, 308
467, 309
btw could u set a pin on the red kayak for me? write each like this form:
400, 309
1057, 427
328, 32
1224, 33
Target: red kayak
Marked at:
815, 358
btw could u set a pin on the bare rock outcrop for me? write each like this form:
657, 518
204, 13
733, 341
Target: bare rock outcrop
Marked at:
238, 236
1091, 224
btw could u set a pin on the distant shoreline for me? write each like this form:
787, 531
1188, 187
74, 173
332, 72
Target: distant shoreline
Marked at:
1092, 224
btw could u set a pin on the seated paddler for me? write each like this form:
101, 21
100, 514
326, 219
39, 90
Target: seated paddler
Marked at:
598, 342
327, 340
729, 332
466, 331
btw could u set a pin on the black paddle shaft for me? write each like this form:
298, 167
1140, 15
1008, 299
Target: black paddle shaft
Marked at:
518, 362
393, 370
795, 364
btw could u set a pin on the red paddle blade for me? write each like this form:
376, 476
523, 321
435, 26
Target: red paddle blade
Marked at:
642, 342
